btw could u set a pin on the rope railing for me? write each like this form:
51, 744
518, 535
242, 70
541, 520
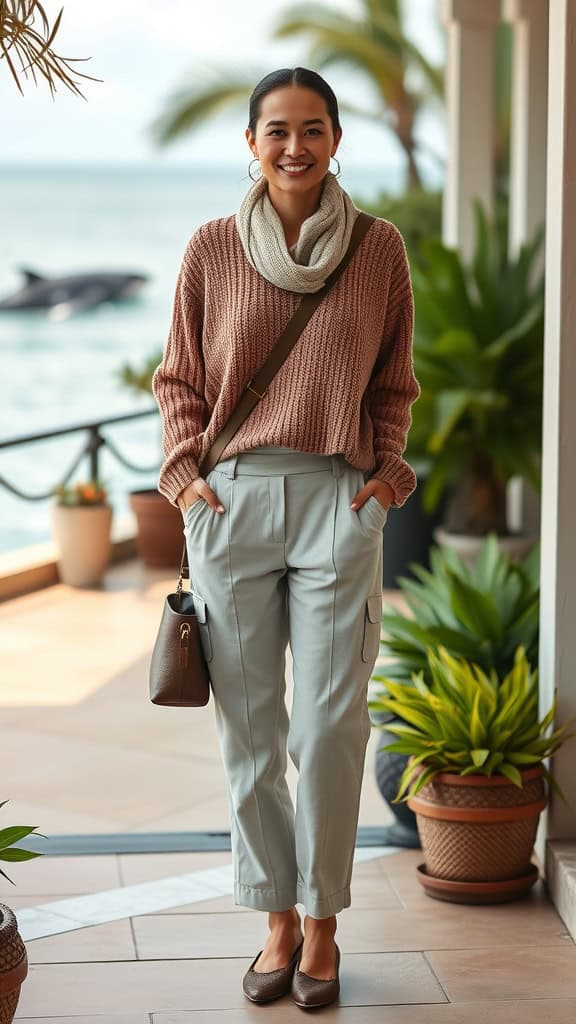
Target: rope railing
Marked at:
94, 442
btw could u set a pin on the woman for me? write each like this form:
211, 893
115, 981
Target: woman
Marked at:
285, 533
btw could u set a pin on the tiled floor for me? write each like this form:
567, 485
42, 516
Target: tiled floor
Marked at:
406, 959
88, 753
110, 760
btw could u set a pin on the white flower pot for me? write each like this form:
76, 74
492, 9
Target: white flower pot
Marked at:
82, 534
515, 546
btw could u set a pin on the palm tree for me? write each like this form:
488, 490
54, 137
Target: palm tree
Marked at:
373, 42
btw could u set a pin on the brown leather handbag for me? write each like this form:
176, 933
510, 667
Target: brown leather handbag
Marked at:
179, 675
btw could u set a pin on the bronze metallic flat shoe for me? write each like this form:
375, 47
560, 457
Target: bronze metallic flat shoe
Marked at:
308, 992
263, 986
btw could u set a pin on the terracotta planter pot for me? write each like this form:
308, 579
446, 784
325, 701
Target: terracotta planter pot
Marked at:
160, 530
13, 964
82, 534
479, 830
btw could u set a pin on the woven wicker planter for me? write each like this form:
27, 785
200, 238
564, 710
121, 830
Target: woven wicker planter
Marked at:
13, 964
478, 833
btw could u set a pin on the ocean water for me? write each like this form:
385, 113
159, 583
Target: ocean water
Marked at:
57, 373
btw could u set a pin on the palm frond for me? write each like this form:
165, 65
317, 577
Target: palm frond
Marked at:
26, 44
192, 105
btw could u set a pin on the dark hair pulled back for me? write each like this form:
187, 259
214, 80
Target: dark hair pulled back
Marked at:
293, 76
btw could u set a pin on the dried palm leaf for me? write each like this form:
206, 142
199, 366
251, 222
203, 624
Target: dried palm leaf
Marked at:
30, 45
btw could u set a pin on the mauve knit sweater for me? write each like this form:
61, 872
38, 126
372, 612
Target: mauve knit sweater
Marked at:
347, 385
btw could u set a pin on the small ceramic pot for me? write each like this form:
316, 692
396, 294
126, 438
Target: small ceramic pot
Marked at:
82, 534
516, 546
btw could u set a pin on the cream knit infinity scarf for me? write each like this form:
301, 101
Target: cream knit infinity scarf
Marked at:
322, 242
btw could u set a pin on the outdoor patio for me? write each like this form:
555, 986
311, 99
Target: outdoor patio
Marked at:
406, 959
156, 938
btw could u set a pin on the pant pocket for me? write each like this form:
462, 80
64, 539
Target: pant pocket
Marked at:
201, 611
192, 510
379, 513
372, 623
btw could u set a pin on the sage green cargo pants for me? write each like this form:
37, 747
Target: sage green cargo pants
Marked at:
289, 562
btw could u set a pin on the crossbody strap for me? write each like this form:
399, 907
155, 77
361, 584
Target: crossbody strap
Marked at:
256, 388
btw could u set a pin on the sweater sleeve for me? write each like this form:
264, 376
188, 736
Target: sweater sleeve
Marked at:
393, 387
178, 383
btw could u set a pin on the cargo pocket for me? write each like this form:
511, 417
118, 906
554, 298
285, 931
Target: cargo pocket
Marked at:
372, 623
203, 624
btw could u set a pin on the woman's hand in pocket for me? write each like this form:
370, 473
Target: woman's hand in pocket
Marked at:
381, 490
195, 491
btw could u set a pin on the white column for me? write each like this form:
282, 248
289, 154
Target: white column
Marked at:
527, 207
469, 100
529, 117
558, 565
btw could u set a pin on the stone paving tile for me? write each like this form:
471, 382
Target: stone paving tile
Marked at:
359, 931
145, 867
400, 869
218, 905
551, 1011
115, 1018
34, 899
65, 875
449, 926
115, 781
195, 936
161, 986
517, 973
111, 941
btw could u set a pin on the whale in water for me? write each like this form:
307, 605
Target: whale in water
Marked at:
72, 293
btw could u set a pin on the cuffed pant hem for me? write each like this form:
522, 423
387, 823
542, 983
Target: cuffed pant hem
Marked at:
264, 899
323, 906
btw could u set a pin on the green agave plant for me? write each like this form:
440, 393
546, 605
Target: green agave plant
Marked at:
11, 835
478, 355
482, 613
470, 722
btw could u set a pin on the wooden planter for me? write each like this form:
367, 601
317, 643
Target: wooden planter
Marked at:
477, 833
13, 964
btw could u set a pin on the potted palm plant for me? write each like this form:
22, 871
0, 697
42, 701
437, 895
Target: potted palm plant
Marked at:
13, 956
475, 777
478, 355
481, 612
159, 523
82, 522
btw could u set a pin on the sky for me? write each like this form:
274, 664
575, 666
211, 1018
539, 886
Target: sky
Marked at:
145, 51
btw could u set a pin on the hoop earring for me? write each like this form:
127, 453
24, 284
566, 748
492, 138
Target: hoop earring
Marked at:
254, 161
338, 162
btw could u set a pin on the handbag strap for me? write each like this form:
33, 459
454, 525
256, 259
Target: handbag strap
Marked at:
256, 388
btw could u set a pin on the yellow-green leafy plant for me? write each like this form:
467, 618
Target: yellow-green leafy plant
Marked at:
11, 835
470, 722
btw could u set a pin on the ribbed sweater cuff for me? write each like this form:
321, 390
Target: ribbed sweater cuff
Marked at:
172, 481
395, 471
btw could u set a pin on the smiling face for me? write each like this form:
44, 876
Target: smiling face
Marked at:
294, 138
